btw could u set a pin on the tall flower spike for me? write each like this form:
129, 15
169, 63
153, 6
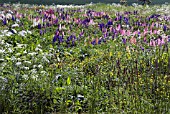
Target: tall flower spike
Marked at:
168, 38
93, 42
13, 18
124, 40
142, 48
164, 28
41, 32
109, 23
55, 38
101, 26
4, 22
39, 26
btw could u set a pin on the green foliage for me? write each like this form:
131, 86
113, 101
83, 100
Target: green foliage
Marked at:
145, 1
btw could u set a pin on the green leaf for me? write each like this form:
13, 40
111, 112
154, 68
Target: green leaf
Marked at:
58, 89
68, 80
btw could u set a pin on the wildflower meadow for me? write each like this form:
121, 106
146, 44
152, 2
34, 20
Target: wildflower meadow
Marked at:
93, 58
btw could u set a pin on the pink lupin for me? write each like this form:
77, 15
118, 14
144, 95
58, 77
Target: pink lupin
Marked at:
154, 43
144, 39
152, 25
163, 41
159, 42
128, 33
145, 32
150, 43
133, 40
151, 32
122, 32
118, 27
146, 29
111, 29
155, 31
135, 32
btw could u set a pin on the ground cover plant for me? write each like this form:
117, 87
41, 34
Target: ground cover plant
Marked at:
97, 58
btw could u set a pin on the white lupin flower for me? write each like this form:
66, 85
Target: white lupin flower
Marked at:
45, 59
13, 58
19, 59
50, 54
33, 71
29, 32
9, 34
19, 45
4, 79
18, 63
1, 35
79, 96
4, 31
15, 25
32, 54
11, 12
25, 52
25, 76
26, 68
1, 60
38, 49
34, 66
4, 64
35, 77
56, 78
14, 31
27, 62
17, 54
35, 22
2, 51
9, 16
134, 4
10, 50
40, 66
7, 45
43, 72
17, 20
2, 16
23, 33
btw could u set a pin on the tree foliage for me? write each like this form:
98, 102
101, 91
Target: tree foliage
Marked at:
145, 1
